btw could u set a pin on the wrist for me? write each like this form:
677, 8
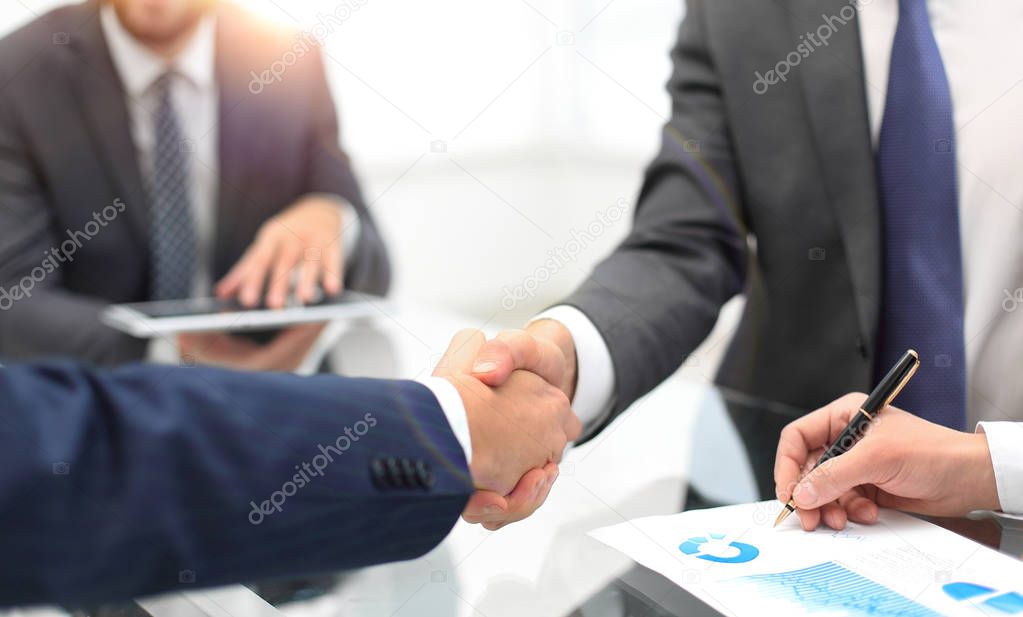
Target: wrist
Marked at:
452, 406
982, 474
556, 332
473, 395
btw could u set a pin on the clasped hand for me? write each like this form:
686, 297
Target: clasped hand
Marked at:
520, 419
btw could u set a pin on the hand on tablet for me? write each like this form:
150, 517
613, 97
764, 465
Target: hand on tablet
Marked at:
304, 240
284, 353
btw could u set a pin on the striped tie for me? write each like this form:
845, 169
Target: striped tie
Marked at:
172, 236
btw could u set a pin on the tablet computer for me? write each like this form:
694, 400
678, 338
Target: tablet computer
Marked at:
151, 319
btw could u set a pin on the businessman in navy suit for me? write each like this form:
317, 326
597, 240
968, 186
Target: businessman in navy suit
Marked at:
142, 479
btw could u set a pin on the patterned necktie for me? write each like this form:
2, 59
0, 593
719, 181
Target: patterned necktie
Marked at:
922, 306
172, 236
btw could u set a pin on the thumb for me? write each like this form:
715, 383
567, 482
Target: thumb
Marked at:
836, 477
462, 351
514, 350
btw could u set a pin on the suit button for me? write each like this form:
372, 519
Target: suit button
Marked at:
861, 347
424, 475
408, 473
378, 473
394, 474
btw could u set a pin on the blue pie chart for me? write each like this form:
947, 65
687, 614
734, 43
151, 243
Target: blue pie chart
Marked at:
743, 552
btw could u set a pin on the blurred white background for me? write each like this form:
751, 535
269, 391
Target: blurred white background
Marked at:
490, 134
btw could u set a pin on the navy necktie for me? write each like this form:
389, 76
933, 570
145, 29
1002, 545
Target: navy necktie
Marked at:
922, 306
172, 236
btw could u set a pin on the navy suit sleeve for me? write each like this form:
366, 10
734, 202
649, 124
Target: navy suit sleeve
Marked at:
124, 483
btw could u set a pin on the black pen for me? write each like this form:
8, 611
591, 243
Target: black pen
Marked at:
882, 396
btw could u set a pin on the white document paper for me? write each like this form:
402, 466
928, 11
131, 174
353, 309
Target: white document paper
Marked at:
735, 561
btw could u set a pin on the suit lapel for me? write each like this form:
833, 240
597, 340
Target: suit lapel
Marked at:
834, 95
106, 115
234, 97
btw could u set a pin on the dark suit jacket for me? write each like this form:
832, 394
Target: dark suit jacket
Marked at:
66, 152
772, 195
145, 479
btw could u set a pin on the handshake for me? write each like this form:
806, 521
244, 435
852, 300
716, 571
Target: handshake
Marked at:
517, 391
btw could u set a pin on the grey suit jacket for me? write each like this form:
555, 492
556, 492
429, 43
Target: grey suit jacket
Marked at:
769, 194
66, 152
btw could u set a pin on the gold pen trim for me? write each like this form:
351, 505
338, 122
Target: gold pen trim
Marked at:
905, 378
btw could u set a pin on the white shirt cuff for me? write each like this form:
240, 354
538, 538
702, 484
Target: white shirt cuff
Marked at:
454, 410
163, 350
595, 375
1005, 441
351, 227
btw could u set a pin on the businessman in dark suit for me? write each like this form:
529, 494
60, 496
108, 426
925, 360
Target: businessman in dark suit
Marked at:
163, 150
852, 168
121, 483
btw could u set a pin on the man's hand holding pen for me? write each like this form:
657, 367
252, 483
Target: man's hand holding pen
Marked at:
902, 462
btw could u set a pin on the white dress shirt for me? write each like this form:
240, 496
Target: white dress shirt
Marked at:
195, 97
983, 56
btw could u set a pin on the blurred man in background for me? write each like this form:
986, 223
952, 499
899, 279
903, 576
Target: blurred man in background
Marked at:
144, 157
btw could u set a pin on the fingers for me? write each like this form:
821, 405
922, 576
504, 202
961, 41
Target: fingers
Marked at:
852, 506
809, 519
833, 515
333, 268
486, 506
287, 257
288, 349
572, 426
514, 350
523, 503
498, 358
461, 353
255, 266
517, 350
305, 235
308, 273
858, 507
188, 341
494, 511
836, 477
217, 348
303, 335
559, 422
787, 468
807, 434
247, 277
